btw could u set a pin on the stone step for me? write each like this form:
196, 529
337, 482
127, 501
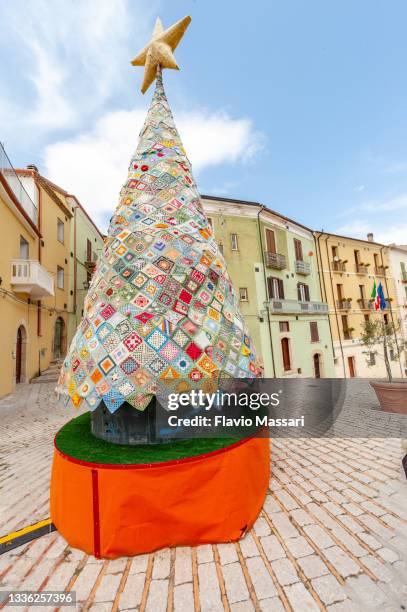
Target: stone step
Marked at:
44, 378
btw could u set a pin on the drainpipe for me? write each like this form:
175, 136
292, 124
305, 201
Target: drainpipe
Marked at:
323, 285
391, 313
74, 265
39, 224
334, 301
266, 290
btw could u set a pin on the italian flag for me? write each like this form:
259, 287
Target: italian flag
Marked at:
375, 296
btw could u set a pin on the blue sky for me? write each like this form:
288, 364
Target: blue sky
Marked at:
299, 105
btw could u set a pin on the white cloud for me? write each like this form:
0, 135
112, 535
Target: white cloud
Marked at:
74, 55
93, 165
359, 188
382, 232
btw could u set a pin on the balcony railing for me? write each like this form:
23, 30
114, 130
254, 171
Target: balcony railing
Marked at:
365, 304
275, 260
380, 271
13, 180
302, 267
295, 307
343, 304
338, 266
361, 269
28, 276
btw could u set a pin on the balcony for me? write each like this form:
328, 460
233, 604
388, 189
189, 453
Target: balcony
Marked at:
275, 260
28, 276
295, 307
361, 268
303, 268
380, 271
365, 304
338, 266
16, 186
343, 304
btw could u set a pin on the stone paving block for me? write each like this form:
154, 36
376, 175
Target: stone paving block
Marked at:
61, 576
132, 592
351, 524
204, 553
313, 566
102, 607
367, 591
116, 565
209, 590
299, 547
183, 565
300, 598
161, 567
243, 606
271, 505
248, 546
273, 604
227, 553
260, 577
388, 555
261, 527
379, 569
319, 536
283, 525
139, 564
85, 581
184, 598
301, 517
272, 548
236, 588
107, 588
287, 500
343, 563
328, 589
157, 596
285, 571
33, 581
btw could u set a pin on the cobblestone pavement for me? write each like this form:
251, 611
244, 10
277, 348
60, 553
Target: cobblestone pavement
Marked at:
332, 534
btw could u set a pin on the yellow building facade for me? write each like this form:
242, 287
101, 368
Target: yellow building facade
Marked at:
348, 268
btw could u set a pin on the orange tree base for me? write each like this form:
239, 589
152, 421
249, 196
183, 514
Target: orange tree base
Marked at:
113, 510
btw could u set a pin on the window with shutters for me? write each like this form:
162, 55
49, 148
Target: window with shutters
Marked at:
88, 250
60, 277
275, 288
243, 296
372, 359
285, 349
298, 250
270, 241
314, 331
303, 292
284, 326
60, 230
233, 242
24, 248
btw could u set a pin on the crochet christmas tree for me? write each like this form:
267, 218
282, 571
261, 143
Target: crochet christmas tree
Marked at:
161, 305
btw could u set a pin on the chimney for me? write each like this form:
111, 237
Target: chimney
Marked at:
370, 237
32, 167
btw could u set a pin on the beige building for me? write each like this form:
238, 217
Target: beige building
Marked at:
348, 268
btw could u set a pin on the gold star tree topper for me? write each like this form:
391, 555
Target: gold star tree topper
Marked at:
159, 51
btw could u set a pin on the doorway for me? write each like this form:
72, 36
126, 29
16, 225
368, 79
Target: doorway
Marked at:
59, 348
317, 365
352, 369
20, 354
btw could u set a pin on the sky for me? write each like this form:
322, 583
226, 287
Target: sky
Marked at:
301, 106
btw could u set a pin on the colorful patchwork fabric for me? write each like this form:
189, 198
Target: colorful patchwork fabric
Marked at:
161, 306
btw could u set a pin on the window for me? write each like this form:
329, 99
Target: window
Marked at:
392, 355
386, 318
298, 250
60, 277
275, 288
233, 242
88, 250
314, 331
345, 327
362, 292
376, 260
60, 230
372, 359
334, 252
243, 297
339, 289
220, 245
270, 241
284, 326
285, 349
210, 221
367, 317
303, 292
24, 248
357, 257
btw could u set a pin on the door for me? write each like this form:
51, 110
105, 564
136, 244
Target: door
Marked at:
351, 364
317, 365
19, 352
58, 338
270, 241
298, 250
285, 349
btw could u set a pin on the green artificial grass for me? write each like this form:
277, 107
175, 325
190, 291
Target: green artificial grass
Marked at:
76, 440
